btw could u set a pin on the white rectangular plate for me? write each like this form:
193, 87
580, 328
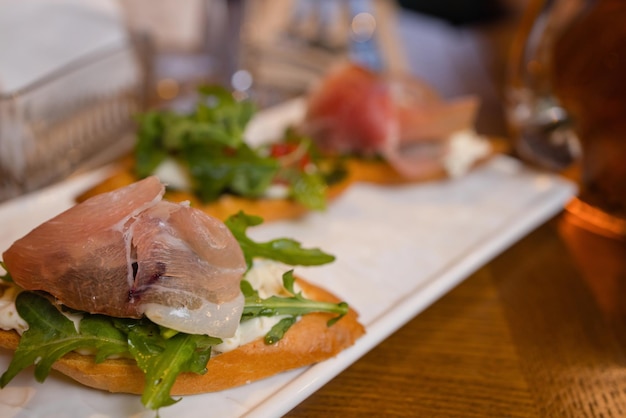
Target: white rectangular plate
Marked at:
398, 250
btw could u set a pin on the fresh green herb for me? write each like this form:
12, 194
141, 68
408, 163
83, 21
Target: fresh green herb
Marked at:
307, 189
163, 359
278, 331
209, 144
51, 335
294, 306
285, 250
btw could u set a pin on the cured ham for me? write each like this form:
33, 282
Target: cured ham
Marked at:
128, 253
355, 111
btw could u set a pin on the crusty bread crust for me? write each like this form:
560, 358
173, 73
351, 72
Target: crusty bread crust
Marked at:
308, 341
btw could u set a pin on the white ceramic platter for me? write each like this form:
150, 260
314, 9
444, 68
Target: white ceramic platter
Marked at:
398, 250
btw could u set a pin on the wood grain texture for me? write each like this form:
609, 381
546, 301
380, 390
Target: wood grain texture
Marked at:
565, 305
455, 359
538, 332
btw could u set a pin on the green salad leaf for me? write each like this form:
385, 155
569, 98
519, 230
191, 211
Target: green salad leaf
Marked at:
163, 359
285, 250
293, 306
51, 335
208, 142
217, 169
307, 189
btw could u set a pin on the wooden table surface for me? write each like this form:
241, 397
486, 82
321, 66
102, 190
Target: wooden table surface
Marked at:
540, 331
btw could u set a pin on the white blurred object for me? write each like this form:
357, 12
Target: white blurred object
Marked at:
39, 37
70, 82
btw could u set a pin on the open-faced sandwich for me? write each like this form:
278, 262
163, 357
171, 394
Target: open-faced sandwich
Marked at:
127, 292
358, 126
203, 157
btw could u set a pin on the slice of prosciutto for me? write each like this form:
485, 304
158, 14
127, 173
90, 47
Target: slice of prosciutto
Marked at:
128, 253
355, 111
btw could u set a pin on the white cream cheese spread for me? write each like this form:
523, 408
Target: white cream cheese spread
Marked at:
466, 147
266, 278
9, 318
173, 174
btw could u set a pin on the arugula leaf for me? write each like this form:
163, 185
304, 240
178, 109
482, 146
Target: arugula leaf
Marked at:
278, 331
285, 250
294, 306
163, 359
218, 168
309, 190
209, 143
51, 335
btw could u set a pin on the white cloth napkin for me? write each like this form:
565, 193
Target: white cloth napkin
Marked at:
39, 37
